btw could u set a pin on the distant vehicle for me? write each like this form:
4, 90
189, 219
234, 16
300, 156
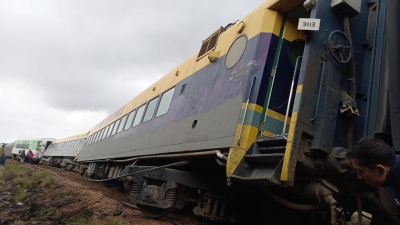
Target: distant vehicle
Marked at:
37, 145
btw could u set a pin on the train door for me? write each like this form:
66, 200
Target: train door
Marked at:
282, 86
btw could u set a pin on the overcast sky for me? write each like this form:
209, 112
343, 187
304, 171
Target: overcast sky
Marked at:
65, 65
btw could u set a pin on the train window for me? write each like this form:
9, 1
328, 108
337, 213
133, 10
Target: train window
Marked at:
236, 51
165, 102
151, 107
116, 127
122, 124
110, 130
96, 138
130, 119
105, 132
139, 115
101, 134
90, 140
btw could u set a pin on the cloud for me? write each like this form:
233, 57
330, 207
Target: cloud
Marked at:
66, 65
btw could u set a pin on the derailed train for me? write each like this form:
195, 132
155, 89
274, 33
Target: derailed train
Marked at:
264, 113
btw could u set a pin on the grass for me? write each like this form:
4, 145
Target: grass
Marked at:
40, 203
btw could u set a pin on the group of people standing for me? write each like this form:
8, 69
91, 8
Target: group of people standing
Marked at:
22, 156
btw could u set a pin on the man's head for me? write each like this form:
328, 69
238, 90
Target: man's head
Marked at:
372, 159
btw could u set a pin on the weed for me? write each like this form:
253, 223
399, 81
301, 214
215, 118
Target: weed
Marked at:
18, 222
46, 214
21, 196
24, 183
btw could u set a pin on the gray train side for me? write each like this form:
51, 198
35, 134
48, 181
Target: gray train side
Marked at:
63, 153
266, 110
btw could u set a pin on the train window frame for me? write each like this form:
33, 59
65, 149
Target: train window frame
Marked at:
101, 134
90, 140
122, 124
97, 137
165, 103
94, 138
129, 121
110, 130
139, 115
150, 109
105, 132
115, 128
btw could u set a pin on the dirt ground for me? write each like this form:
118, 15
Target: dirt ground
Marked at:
76, 196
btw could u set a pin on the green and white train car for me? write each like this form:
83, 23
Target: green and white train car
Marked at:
37, 145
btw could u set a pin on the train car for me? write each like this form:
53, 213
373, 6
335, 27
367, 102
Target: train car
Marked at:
62, 152
37, 145
8, 149
266, 110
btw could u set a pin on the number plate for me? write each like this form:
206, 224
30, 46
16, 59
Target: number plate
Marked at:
308, 24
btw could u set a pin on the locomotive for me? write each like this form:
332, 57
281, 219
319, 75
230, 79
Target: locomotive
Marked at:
258, 122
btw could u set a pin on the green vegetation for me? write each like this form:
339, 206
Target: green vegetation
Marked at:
33, 197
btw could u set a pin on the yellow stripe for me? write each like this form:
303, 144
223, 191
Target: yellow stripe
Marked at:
299, 89
288, 150
237, 152
253, 107
276, 115
267, 133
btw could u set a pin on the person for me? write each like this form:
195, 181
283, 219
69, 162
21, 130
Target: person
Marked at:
30, 156
22, 156
3, 160
376, 164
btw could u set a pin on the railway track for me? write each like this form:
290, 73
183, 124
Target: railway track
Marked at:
115, 192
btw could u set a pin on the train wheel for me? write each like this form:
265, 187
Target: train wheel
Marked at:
155, 201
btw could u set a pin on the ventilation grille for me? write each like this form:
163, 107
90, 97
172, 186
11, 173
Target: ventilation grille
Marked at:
210, 43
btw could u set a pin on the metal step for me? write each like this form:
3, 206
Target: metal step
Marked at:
272, 158
276, 149
272, 141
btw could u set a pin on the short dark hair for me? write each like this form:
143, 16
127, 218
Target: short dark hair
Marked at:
370, 151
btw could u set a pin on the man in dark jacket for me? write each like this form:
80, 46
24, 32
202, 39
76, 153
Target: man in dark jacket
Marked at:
376, 163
